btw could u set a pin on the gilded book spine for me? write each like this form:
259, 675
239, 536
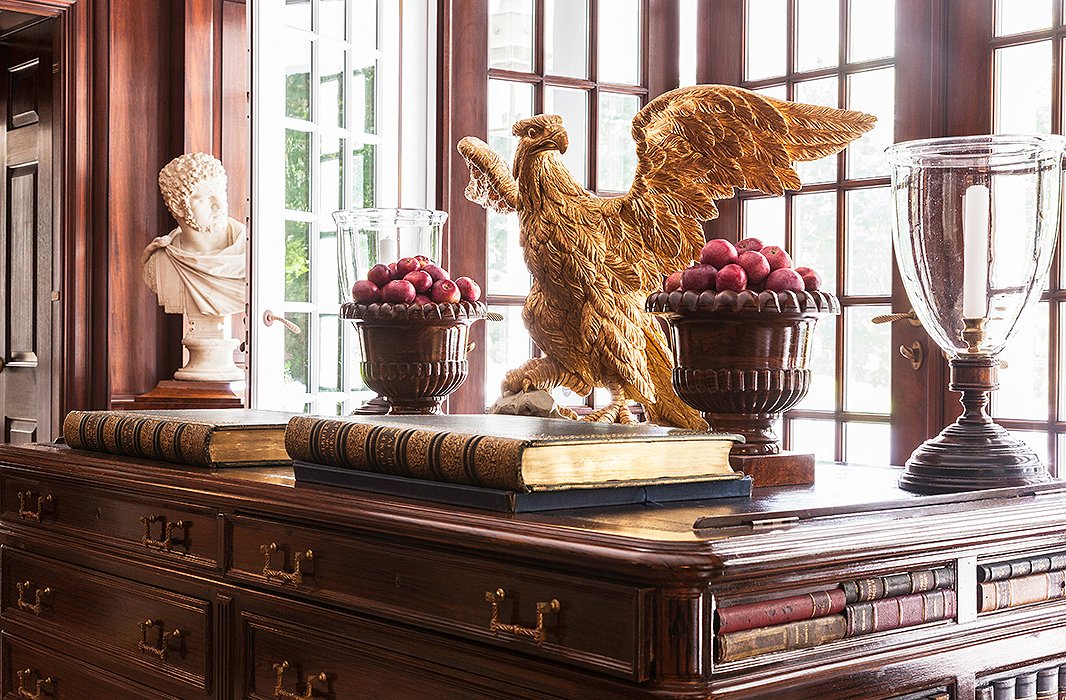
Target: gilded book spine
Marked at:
120, 433
474, 460
779, 611
735, 646
1025, 686
867, 589
1015, 568
1047, 684
900, 611
995, 595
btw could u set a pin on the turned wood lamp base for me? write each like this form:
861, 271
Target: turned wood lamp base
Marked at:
974, 452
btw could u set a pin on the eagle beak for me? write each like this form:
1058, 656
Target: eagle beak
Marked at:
561, 140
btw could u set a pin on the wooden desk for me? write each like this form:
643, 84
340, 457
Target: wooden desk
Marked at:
264, 579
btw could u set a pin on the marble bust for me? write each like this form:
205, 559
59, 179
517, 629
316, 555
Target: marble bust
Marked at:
199, 268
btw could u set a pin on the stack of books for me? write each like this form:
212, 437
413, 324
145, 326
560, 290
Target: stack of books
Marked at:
1008, 584
934, 694
851, 609
1047, 683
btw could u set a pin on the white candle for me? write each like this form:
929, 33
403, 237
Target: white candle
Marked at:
975, 251
387, 250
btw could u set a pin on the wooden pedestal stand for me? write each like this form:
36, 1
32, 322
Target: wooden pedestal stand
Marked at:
173, 393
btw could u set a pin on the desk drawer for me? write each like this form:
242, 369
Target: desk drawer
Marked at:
30, 668
176, 532
590, 623
92, 610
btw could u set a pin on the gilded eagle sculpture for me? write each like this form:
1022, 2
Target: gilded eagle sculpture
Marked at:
594, 260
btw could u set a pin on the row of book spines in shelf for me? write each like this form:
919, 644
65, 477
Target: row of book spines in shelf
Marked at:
1012, 592
1044, 684
1015, 568
857, 619
736, 618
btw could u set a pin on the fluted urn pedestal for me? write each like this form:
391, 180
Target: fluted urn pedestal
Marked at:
414, 356
743, 359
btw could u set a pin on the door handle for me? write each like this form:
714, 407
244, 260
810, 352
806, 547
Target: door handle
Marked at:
269, 317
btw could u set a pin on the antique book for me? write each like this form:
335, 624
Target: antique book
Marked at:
900, 611
521, 501
996, 595
1001, 570
764, 613
734, 646
1047, 683
983, 693
867, 589
511, 453
1003, 688
224, 437
1062, 682
1025, 686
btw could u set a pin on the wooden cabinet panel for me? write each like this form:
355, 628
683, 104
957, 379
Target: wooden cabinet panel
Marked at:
593, 624
108, 613
130, 522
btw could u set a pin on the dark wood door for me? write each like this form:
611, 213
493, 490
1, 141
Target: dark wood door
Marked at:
26, 236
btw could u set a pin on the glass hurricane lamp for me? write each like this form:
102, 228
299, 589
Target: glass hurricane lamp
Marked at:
975, 225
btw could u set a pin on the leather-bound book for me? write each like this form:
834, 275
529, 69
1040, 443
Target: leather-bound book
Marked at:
996, 595
1015, 568
735, 646
905, 583
512, 453
779, 611
1062, 682
900, 611
220, 437
1047, 684
983, 693
1003, 689
1025, 686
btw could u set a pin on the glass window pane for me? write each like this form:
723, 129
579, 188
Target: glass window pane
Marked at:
1022, 81
297, 170
616, 152
687, 43
297, 352
331, 86
764, 218
765, 30
326, 276
363, 159
508, 274
566, 38
871, 30
1062, 359
824, 92
329, 353
869, 242
565, 397
1014, 16
817, 34
821, 396
511, 34
330, 175
364, 24
872, 92
362, 103
298, 14
867, 443
1035, 439
508, 102
867, 360
298, 78
1023, 383
814, 235
620, 43
778, 91
297, 261
331, 19
572, 106
507, 347
817, 437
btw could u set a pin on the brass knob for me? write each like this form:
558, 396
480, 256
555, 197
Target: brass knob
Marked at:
915, 353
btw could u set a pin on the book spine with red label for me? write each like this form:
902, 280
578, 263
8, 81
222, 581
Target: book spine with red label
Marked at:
779, 611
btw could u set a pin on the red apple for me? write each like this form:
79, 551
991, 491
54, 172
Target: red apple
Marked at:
420, 279
393, 273
380, 275
468, 288
405, 265
673, 282
423, 259
366, 292
755, 265
749, 244
445, 292
398, 292
777, 257
784, 279
698, 278
812, 281
718, 252
421, 299
436, 272
732, 278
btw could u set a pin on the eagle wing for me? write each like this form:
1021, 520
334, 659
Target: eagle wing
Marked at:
491, 184
701, 143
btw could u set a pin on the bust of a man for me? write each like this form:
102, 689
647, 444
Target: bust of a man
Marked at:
199, 267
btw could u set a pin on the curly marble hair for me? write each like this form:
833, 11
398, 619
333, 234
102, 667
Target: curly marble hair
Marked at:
179, 178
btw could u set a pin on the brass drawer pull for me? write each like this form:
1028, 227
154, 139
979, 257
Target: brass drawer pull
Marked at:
36, 607
537, 634
166, 532
165, 638
286, 695
27, 496
296, 577
38, 692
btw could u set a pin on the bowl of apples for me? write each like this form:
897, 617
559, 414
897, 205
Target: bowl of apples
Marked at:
413, 323
740, 323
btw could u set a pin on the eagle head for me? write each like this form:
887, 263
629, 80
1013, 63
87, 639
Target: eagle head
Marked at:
543, 132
